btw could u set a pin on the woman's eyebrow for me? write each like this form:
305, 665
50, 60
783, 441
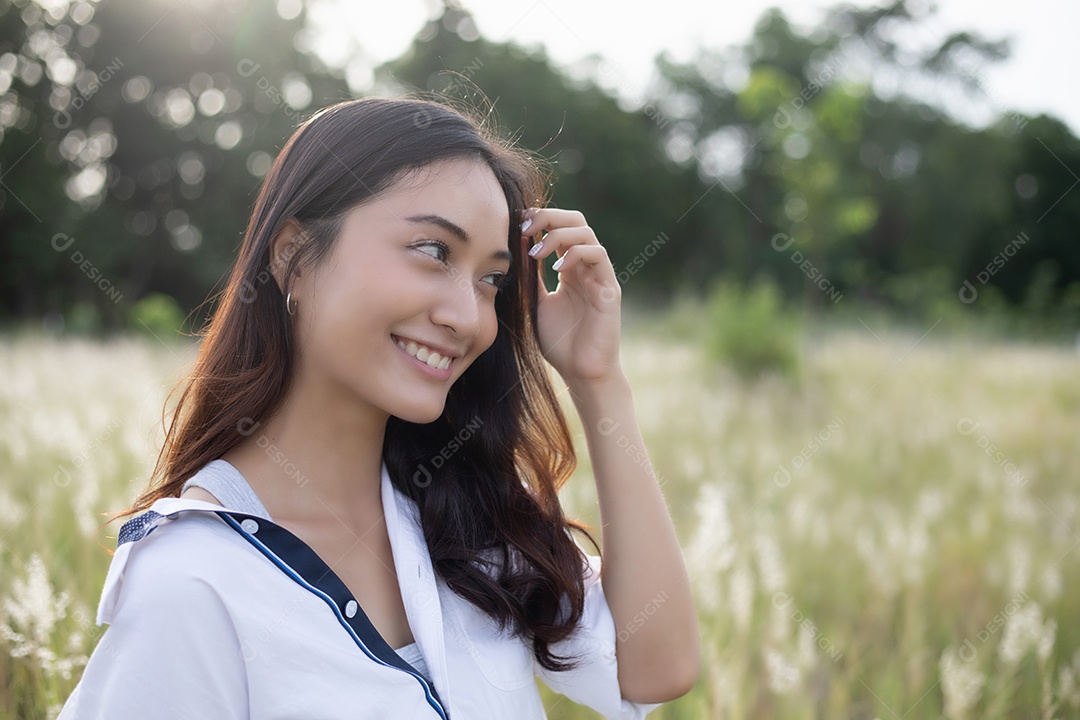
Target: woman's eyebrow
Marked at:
455, 230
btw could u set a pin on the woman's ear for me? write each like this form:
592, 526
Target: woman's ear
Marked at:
283, 247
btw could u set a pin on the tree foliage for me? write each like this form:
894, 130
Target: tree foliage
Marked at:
133, 137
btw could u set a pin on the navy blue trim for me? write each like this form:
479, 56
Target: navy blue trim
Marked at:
297, 560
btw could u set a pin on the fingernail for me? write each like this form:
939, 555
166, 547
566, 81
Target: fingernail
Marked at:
536, 248
558, 263
526, 225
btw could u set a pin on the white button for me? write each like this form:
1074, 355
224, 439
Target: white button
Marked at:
351, 608
250, 525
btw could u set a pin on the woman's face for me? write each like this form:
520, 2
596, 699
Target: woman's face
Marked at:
405, 301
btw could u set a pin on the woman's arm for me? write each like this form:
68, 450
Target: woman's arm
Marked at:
644, 577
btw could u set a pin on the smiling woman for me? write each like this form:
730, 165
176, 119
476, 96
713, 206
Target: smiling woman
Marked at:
396, 362
394, 278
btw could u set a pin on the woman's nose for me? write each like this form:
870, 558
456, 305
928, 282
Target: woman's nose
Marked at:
458, 306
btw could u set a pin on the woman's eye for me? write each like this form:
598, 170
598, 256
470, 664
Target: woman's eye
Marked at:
441, 250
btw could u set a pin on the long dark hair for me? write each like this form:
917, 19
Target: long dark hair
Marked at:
490, 511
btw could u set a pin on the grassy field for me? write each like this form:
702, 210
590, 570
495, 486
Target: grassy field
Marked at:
890, 533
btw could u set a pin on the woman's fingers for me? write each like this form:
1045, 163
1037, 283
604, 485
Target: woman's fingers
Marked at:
593, 256
567, 234
562, 238
537, 220
590, 266
554, 229
541, 288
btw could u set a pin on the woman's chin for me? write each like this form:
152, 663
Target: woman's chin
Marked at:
421, 415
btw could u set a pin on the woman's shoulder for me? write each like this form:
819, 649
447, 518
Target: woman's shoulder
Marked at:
176, 551
175, 525
194, 492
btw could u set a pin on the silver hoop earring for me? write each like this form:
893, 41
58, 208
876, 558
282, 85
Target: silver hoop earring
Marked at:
290, 304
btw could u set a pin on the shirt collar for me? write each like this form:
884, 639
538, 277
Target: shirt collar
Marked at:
412, 563
416, 579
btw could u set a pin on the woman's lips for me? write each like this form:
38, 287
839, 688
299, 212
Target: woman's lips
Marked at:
423, 366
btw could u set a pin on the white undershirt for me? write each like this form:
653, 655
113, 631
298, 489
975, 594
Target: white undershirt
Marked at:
411, 654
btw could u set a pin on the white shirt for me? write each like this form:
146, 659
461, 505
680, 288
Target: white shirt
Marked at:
217, 613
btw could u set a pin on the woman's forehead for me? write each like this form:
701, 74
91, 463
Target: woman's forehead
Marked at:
464, 189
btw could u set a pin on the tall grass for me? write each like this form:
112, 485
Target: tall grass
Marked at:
895, 535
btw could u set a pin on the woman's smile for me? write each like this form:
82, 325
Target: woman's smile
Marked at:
425, 358
382, 282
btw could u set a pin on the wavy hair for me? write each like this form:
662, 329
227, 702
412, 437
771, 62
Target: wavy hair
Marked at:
490, 511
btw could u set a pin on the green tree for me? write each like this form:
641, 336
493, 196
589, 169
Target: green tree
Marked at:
147, 135
888, 197
607, 162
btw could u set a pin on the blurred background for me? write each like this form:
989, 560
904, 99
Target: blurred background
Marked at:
847, 240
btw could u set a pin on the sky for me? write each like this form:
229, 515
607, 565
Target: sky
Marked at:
1039, 77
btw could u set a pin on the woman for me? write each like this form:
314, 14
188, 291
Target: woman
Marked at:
356, 511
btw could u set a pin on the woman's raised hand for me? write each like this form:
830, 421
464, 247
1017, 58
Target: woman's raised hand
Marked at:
579, 323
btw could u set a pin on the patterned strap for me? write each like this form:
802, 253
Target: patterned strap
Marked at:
138, 527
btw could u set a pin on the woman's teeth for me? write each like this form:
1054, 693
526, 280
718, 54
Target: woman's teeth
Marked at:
424, 355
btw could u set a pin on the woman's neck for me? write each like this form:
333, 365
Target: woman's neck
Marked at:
318, 457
